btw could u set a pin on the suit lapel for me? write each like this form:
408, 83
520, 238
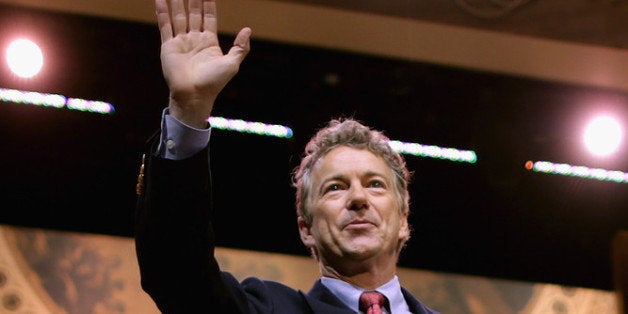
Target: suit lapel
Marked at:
415, 305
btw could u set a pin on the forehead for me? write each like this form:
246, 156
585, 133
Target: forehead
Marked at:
344, 160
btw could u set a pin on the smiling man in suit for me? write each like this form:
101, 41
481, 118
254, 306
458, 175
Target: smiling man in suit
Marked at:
352, 198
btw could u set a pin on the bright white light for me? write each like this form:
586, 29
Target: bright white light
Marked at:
603, 136
25, 58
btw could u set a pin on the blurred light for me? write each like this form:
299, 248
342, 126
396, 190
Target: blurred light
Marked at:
580, 171
89, 106
54, 100
602, 135
250, 127
281, 131
32, 98
25, 58
432, 151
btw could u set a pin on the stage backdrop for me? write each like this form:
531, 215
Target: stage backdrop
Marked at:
45, 271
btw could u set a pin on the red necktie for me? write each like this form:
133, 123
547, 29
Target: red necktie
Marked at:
371, 302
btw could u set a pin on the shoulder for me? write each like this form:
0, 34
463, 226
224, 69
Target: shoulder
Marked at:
415, 305
265, 296
254, 283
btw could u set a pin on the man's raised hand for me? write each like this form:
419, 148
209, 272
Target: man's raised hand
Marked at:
194, 66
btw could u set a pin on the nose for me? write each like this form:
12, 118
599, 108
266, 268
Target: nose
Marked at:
357, 199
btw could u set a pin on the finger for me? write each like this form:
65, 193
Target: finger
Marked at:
241, 45
163, 19
210, 20
179, 19
196, 17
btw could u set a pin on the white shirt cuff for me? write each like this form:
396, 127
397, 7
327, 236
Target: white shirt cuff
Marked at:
179, 140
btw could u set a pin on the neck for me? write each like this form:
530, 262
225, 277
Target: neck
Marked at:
367, 276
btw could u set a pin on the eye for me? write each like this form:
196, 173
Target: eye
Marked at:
333, 187
376, 184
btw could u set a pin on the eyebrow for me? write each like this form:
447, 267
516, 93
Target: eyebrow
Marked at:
340, 177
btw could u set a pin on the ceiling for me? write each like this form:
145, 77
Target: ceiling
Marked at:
512, 88
580, 42
601, 23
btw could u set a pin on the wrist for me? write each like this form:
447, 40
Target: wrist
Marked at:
191, 111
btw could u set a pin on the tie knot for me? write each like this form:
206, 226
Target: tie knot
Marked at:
372, 302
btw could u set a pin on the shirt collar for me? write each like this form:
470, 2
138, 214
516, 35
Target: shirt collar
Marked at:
350, 294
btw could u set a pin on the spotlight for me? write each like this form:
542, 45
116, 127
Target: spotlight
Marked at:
25, 58
602, 136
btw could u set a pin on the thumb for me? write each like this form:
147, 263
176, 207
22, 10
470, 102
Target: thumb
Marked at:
241, 45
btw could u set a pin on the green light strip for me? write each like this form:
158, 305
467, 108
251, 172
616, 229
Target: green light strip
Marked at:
579, 171
237, 125
54, 100
433, 151
258, 128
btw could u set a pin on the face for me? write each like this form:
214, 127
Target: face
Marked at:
353, 207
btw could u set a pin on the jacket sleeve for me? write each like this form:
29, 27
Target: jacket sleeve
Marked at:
175, 241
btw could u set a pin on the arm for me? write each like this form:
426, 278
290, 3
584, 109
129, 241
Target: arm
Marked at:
174, 237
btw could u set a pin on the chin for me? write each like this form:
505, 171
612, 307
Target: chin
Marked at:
362, 249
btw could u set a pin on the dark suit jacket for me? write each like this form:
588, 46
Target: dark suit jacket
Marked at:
175, 250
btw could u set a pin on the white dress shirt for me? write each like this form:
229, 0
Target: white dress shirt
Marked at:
350, 294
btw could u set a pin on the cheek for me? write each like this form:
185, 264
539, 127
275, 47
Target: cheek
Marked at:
394, 218
321, 223
327, 209
389, 206
324, 222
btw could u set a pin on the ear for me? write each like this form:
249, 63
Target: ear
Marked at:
404, 229
305, 232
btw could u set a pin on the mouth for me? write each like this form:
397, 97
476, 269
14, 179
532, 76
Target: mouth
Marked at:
359, 224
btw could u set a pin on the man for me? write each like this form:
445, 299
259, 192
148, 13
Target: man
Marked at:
352, 198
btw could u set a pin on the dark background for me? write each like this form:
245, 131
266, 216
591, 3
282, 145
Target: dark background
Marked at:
76, 171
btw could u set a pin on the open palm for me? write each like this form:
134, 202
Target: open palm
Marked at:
194, 66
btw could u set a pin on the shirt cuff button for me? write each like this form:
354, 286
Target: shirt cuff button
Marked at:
170, 144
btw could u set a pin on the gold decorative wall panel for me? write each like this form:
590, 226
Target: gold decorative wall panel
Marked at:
45, 271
